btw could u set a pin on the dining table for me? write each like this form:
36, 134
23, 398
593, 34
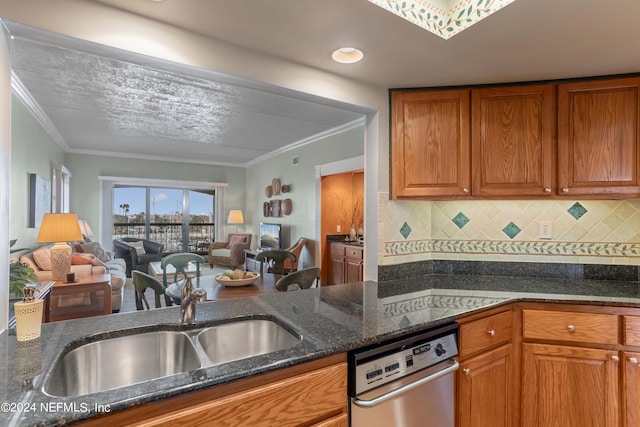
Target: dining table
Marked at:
264, 284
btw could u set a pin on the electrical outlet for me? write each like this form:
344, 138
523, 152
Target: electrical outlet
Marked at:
545, 230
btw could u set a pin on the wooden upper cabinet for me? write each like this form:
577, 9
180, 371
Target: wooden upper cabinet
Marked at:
598, 138
430, 145
513, 130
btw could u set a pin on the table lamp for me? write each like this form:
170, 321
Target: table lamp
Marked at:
60, 228
235, 217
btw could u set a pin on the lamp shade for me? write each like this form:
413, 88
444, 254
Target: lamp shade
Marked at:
59, 227
235, 217
85, 228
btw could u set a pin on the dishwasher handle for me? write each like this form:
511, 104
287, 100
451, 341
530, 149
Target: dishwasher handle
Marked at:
376, 401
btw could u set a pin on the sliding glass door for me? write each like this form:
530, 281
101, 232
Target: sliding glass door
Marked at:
181, 219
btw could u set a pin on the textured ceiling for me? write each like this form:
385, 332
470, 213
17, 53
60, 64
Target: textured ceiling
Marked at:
103, 105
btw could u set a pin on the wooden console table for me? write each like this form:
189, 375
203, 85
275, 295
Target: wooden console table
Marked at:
85, 289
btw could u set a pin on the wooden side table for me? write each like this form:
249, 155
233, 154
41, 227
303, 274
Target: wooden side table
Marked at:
86, 289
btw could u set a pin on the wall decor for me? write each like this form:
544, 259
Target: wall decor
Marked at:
266, 209
39, 199
276, 186
275, 208
268, 191
286, 206
286, 188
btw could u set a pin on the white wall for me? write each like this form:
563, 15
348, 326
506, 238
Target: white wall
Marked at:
303, 221
5, 174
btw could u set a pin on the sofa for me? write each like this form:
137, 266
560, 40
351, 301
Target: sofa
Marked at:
82, 264
137, 253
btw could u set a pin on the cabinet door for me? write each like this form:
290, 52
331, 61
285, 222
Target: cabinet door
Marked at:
569, 387
632, 389
353, 270
512, 138
598, 137
485, 389
430, 146
337, 271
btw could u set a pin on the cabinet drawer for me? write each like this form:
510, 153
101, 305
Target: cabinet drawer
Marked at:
569, 326
337, 250
632, 330
483, 334
351, 252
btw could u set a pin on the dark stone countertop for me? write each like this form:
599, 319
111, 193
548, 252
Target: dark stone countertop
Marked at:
331, 320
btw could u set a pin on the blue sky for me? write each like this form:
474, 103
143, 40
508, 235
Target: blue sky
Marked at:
163, 201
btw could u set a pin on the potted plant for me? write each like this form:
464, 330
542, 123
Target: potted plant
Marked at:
19, 273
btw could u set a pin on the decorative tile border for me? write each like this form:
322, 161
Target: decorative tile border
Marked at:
421, 303
600, 249
446, 21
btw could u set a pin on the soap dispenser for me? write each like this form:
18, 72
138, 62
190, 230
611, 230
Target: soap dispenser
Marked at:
28, 315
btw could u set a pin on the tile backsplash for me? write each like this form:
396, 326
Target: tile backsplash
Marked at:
585, 231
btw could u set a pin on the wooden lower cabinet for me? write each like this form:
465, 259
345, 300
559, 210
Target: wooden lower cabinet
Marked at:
564, 386
484, 389
289, 397
632, 389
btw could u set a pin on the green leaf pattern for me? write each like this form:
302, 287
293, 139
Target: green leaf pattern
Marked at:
602, 249
464, 14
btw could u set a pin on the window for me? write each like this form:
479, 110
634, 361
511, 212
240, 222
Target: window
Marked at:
181, 219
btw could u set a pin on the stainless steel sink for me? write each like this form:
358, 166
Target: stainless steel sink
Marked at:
241, 339
118, 362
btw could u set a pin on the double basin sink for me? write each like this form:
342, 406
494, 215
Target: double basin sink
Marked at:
136, 357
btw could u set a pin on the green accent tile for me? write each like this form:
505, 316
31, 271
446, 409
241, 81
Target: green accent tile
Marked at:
405, 230
577, 210
511, 230
460, 220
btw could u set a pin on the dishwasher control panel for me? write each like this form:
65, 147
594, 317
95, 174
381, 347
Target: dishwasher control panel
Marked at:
403, 360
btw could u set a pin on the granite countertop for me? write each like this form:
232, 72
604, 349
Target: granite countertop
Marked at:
331, 320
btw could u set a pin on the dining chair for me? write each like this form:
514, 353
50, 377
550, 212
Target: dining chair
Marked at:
275, 260
304, 278
142, 282
179, 261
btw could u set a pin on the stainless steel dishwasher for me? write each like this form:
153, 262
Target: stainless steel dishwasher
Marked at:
406, 382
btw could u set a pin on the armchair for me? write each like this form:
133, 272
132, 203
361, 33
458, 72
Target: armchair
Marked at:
134, 259
231, 252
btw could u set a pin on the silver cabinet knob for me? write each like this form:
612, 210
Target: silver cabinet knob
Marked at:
571, 328
491, 332
466, 371
565, 189
547, 189
615, 358
633, 360
465, 190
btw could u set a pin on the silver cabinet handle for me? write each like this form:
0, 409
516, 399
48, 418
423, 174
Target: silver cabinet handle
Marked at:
565, 189
376, 401
491, 332
465, 190
571, 328
615, 358
467, 371
633, 360
547, 189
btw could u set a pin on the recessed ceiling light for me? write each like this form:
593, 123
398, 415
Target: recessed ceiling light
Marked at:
347, 55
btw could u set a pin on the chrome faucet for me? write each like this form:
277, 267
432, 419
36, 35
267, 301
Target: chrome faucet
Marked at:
190, 297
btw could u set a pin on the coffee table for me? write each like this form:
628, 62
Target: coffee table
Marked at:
80, 298
155, 270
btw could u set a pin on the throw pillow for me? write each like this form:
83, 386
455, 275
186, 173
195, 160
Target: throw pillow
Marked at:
236, 239
77, 259
94, 248
91, 259
42, 257
138, 246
